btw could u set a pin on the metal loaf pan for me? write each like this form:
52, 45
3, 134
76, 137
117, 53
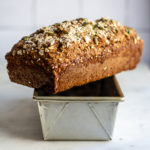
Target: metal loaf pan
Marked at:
81, 113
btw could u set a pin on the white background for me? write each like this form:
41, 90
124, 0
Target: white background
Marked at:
19, 121
22, 17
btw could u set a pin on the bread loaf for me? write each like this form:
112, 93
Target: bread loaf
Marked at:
73, 53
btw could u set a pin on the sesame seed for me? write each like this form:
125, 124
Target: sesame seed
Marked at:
115, 40
23, 51
13, 52
41, 52
19, 52
38, 59
60, 59
105, 68
50, 47
87, 39
135, 40
47, 50
107, 42
109, 51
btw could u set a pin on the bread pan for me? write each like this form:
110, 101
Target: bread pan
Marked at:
82, 113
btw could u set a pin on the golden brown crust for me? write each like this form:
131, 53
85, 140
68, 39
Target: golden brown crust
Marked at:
90, 71
74, 53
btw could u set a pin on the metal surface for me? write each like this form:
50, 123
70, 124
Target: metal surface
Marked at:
72, 117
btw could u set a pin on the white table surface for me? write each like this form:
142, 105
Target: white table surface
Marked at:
20, 125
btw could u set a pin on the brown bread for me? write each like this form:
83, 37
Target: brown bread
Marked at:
73, 53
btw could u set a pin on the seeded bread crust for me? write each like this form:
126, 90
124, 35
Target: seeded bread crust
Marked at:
73, 53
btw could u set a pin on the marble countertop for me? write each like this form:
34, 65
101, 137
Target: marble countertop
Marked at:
20, 125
